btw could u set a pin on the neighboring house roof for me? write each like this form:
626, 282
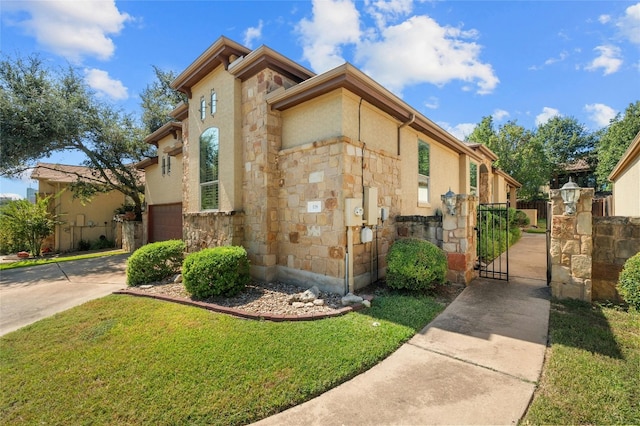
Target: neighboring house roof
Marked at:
628, 157
580, 165
64, 173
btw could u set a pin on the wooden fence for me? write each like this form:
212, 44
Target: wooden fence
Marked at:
599, 206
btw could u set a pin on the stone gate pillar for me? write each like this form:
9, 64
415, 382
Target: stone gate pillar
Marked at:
571, 247
459, 239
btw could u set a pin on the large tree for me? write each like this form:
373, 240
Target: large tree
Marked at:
565, 141
615, 140
43, 111
159, 99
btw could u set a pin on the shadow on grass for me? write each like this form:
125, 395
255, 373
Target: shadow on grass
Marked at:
583, 326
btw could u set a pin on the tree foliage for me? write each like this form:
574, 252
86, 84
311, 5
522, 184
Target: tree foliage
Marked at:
615, 140
43, 111
26, 223
519, 153
159, 99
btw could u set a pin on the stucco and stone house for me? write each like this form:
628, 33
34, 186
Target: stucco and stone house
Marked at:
310, 172
626, 181
80, 220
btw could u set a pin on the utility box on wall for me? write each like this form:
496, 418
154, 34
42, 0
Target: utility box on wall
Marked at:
371, 211
353, 212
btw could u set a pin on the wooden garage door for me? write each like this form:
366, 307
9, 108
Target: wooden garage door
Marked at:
165, 222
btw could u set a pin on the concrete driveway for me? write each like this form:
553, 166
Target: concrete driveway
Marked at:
30, 294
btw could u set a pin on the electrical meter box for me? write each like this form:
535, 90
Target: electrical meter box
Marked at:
353, 211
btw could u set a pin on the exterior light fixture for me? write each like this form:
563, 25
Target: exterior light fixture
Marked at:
450, 201
570, 195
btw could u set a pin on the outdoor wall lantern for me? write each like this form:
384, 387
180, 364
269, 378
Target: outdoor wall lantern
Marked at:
450, 201
570, 195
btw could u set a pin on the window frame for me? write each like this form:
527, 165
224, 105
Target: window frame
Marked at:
473, 189
215, 181
424, 180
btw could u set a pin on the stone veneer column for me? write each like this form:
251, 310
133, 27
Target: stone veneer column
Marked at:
571, 247
459, 239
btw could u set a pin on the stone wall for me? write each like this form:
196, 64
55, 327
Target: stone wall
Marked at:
459, 239
422, 227
131, 235
210, 229
571, 247
615, 239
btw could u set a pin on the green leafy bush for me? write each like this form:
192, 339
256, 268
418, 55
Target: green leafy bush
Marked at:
155, 262
102, 243
518, 218
84, 245
218, 271
415, 264
629, 281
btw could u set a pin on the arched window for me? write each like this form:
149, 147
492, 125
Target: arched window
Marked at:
209, 149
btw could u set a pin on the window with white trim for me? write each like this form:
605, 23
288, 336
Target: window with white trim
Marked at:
423, 172
209, 183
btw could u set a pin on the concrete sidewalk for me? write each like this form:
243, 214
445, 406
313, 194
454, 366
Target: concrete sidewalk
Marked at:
476, 363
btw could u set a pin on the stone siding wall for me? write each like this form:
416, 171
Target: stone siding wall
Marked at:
312, 188
615, 239
131, 235
203, 230
571, 248
459, 239
422, 227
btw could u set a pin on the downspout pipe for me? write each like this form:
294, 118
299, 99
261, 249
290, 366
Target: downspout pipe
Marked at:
402, 126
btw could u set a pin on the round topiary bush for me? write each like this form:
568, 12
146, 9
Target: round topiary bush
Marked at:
218, 271
629, 281
155, 262
415, 264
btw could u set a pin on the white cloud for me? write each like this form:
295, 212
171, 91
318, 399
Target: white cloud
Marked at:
609, 59
100, 81
460, 131
600, 114
546, 115
500, 114
253, 33
384, 11
604, 19
629, 24
416, 50
72, 29
334, 23
432, 102
419, 50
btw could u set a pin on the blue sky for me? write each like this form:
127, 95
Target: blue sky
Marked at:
455, 61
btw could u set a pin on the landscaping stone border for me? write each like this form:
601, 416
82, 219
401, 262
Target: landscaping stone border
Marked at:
249, 315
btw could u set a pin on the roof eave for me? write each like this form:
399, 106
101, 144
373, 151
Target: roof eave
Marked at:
169, 128
626, 159
265, 57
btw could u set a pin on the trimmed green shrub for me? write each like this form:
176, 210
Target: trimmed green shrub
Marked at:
518, 218
415, 265
629, 281
155, 262
218, 271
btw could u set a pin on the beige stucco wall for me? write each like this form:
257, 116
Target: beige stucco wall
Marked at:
318, 119
99, 210
626, 191
227, 120
167, 188
444, 171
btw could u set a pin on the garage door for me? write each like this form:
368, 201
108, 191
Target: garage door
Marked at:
165, 222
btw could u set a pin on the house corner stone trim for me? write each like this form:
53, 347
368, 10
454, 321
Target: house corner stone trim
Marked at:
459, 239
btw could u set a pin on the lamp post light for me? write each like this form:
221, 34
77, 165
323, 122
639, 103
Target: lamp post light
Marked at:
570, 195
450, 201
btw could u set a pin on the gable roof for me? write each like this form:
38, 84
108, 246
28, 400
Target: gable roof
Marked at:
351, 78
64, 173
628, 157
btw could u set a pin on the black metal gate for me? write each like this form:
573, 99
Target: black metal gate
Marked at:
548, 243
493, 241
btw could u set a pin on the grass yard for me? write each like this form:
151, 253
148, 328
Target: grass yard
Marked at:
57, 259
130, 360
592, 371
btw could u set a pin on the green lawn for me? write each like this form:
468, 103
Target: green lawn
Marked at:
57, 259
129, 360
592, 371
